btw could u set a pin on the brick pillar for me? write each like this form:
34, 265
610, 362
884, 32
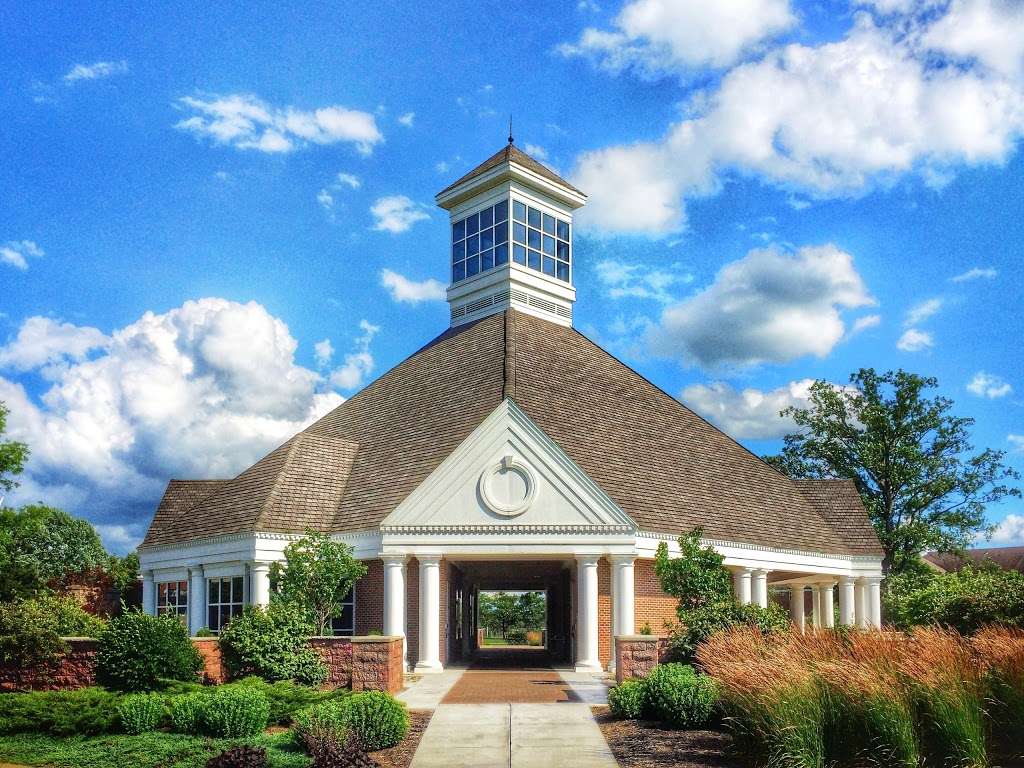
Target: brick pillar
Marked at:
636, 655
377, 664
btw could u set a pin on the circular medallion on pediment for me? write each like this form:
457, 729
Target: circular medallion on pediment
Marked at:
508, 487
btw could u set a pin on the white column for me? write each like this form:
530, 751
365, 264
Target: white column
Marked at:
622, 600
860, 604
828, 614
796, 606
196, 599
875, 601
148, 593
430, 614
760, 587
259, 573
816, 606
847, 614
395, 601
587, 657
741, 585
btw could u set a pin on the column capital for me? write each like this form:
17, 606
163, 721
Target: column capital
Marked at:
845, 580
826, 583
260, 566
147, 574
588, 559
761, 571
428, 559
741, 569
622, 559
394, 559
875, 579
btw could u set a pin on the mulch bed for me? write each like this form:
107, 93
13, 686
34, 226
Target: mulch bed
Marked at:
400, 756
644, 744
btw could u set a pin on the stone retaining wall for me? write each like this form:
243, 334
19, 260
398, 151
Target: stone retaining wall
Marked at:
365, 663
636, 655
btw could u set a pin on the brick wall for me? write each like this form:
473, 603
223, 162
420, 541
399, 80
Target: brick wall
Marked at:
214, 671
604, 612
370, 599
412, 594
376, 664
338, 658
651, 605
76, 670
636, 655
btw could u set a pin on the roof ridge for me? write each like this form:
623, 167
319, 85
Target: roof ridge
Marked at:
292, 443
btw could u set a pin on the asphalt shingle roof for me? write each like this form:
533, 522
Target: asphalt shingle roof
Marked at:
511, 153
666, 467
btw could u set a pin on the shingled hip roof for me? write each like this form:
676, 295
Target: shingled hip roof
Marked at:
666, 467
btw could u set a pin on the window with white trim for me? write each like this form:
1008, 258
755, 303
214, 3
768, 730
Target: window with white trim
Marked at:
344, 625
172, 599
225, 600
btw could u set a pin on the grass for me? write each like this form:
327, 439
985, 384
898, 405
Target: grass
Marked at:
150, 750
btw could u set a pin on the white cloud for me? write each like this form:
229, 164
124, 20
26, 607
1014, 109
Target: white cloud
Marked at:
16, 253
976, 273
324, 351
407, 119
535, 151
402, 289
891, 108
769, 306
359, 364
41, 341
326, 195
396, 213
1016, 443
625, 280
987, 31
348, 180
1009, 531
988, 385
96, 71
748, 414
915, 340
653, 37
246, 122
862, 324
921, 312
199, 391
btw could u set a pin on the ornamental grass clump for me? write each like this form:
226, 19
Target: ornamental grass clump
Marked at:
1000, 651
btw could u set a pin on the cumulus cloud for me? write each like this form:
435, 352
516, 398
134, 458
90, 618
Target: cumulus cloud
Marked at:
977, 273
915, 340
41, 341
652, 37
628, 280
769, 306
402, 289
95, 71
536, 151
16, 253
358, 365
1016, 443
748, 414
892, 106
1009, 531
396, 213
324, 351
201, 390
988, 385
244, 121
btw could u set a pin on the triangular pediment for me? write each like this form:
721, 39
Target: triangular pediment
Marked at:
508, 472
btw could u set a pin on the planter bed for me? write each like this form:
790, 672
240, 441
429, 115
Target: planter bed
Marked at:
648, 744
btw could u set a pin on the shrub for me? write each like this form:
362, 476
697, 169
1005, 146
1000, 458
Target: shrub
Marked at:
964, 600
515, 637
326, 721
242, 756
234, 712
287, 697
346, 752
628, 700
379, 720
677, 696
698, 625
84, 712
273, 644
69, 618
205, 632
137, 651
140, 712
187, 712
28, 640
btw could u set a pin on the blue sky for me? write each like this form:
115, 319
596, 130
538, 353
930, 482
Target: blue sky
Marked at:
216, 221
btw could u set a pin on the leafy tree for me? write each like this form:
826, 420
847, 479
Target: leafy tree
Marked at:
316, 576
13, 455
123, 571
532, 610
499, 612
923, 485
41, 547
697, 577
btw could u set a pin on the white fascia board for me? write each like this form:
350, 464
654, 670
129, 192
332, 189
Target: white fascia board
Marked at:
540, 546
432, 509
740, 555
510, 171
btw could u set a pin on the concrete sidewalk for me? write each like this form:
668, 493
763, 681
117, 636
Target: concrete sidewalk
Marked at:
516, 735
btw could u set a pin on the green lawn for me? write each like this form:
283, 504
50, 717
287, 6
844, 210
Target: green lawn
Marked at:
151, 750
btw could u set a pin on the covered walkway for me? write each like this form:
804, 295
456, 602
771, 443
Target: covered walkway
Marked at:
511, 675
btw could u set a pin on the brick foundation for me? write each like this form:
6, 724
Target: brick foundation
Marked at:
365, 663
636, 655
77, 669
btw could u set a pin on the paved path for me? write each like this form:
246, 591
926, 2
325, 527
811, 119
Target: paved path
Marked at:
492, 717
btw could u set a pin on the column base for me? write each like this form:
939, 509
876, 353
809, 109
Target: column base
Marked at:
428, 667
589, 666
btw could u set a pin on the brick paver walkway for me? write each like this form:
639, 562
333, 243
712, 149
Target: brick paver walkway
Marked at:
502, 676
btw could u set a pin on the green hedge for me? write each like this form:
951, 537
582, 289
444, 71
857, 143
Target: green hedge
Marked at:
272, 644
672, 693
138, 652
141, 712
378, 720
85, 712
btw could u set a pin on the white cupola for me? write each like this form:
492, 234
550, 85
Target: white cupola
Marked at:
511, 239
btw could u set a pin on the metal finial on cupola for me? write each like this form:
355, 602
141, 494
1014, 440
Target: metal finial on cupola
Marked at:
510, 139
